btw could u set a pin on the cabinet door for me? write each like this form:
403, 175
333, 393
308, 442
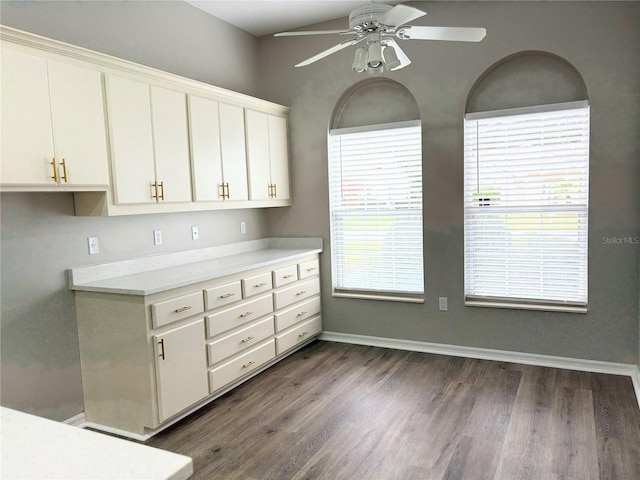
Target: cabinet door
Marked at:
171, 142
25, 129
279, 156
206, 158
234, 156
129, 113
258, 154
181, 368
79, 134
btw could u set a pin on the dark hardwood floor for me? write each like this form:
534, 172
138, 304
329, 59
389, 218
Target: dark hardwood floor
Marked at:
336, 411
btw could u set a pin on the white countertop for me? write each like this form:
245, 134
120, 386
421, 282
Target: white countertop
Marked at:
149, 275
37, 448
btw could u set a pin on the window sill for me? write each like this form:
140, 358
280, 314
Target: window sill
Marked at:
527, 306
382, 297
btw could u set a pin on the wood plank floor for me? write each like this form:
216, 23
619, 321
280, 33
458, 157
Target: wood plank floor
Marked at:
336, 411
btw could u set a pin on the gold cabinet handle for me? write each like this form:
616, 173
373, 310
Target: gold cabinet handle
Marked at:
154, 194
289, 276
301, 314
162, 190
182, 309
311, 269
64, 170
221, 190
247, 365
227, 185
275, 190
302, 334
55, 169
246, 314
258, 285
301, 292
161, 343
248, 339
227, 295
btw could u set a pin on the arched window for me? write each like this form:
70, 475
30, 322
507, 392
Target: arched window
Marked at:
526, 186
375, 193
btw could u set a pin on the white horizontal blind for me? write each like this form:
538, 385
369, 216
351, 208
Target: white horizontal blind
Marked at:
375, 182
526, 197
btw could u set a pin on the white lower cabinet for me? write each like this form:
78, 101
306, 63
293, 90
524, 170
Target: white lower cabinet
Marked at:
148, 360
181, 367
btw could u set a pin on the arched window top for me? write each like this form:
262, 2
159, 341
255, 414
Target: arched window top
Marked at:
526, 79
373, 102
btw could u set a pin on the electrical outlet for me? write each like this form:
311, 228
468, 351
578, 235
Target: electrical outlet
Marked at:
157, 237
94, 247
442, 304
195, 234
243, 227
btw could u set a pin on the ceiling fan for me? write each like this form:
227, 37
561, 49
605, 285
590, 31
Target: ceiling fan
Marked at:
376, 27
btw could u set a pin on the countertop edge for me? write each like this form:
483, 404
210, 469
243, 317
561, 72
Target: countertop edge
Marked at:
98, 288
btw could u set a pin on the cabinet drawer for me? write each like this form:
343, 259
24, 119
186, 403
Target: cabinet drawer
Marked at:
299, 334
297, 292
284, 276
238, 315
163, 313
223, 295
298, 313
258, 284
240, 366
308, 269
229, 345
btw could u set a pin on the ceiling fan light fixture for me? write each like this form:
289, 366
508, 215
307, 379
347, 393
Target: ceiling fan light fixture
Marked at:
391, 60
360, 60
375, 59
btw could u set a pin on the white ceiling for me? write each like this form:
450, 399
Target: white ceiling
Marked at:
263, 17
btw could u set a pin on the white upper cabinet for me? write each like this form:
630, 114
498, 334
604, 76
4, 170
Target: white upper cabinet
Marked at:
217, 149
149, 142
171, 142
267, 156
53, 128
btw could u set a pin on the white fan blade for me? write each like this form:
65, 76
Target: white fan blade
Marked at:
404, 60
309, 32
455, 34
401, 14
329, 51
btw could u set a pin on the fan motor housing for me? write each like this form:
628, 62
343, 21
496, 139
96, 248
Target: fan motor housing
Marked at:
366, 17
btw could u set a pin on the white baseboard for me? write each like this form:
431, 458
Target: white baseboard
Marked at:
76, 421
497, 355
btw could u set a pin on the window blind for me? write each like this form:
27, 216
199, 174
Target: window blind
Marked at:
375, 183
526, 197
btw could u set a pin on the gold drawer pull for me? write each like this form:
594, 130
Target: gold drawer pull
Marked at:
161, 343
55, 169
64, 170
162, 190
301, 314
247, 365
302, 334
301, 292
182, 309
248, 339
246, 314
289, 276
258, 285
311, 269
227, 295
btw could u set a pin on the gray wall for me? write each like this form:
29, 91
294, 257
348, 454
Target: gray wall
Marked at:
41, 237
600, 39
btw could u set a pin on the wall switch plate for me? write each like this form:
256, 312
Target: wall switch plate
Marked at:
157, 237
243, 227
94, 247
195, 234
442, 304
